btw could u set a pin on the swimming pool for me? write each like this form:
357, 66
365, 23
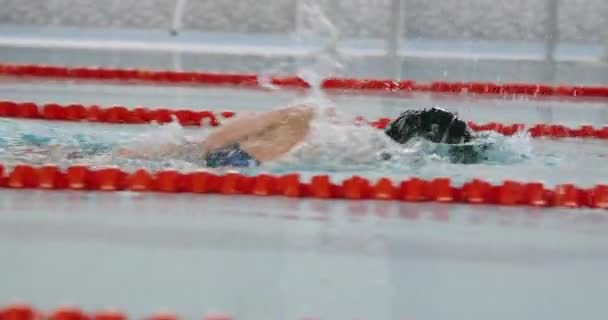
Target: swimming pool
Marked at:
288, 258
302, 258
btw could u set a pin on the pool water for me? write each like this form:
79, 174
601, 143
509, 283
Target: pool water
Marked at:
260, 258
280, 258
519, 157
476, 108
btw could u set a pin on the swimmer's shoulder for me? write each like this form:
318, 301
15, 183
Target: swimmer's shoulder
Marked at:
302, 111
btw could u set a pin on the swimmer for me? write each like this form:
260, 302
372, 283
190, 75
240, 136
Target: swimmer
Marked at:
269, 136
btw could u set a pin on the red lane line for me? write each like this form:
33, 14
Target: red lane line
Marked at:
22, 311
141, 115
252, 80
476, 191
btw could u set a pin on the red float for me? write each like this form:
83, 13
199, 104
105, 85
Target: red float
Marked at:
289, 185
140, 180
414, 190
263, 185
476, 191
109, 315
77, 177
229, 183
566, 195
441, 190
168, 181
23, 176
384, 189
68, 313
200, 182
49, 177
108, 179
510, 193
163, 316
600, 196
19, 312
534, 194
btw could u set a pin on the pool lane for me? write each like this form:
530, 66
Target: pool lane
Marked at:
286, 258
476, 108
260, 258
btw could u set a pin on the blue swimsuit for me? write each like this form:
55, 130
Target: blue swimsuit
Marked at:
231, 156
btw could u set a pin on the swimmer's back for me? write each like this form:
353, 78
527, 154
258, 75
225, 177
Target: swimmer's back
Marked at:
279, 138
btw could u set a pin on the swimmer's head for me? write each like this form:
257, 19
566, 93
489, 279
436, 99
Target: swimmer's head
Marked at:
435, 124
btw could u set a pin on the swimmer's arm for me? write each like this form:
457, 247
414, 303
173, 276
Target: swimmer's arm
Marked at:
241, 128
230, 133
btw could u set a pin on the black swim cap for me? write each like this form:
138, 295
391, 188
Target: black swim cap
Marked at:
435, 124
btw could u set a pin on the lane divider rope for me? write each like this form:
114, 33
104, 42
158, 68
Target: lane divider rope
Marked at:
143, 115
255, 81
475, 191
21, 311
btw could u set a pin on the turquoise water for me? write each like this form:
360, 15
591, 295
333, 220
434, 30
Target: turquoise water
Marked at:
41, 143
279, 258
519, 157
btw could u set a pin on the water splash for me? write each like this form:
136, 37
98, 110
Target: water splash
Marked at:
335, 145
318, 38
39, 143
316, 32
